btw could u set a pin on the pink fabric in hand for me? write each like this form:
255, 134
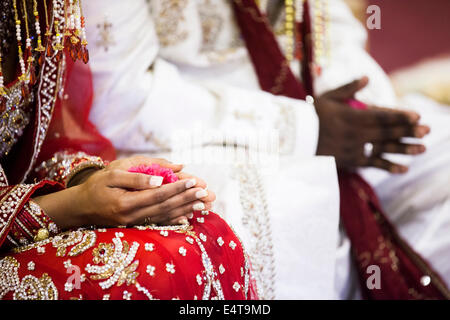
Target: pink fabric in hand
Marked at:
356, 104
156, 170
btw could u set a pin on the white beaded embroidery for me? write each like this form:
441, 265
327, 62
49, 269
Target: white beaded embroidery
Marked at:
182, 251
151, 270
170, 268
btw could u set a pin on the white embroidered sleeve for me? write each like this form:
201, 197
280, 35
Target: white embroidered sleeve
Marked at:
144, 103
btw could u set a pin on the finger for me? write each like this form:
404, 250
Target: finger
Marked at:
183, 218
211, 197
130, 180
173, 222
398, 148
200, 182
395, 133
384, 116
154, 208
173, 216
153, 197
184, 198
179, 220
349, 90
387, 165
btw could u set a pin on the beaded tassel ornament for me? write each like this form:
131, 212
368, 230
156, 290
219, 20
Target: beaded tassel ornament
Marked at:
75, 31
19, 41
37, 26
65, 33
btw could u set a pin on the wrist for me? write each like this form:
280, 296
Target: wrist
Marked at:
81, 176
62, 207
84, 210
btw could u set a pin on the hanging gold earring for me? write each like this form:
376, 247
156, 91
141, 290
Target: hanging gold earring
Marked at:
84, 42
37, 26
19, 41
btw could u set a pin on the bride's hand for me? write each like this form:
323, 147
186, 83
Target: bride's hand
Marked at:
125, 164
208, 200
114, 196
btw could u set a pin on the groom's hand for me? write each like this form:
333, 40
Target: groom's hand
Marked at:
345, 131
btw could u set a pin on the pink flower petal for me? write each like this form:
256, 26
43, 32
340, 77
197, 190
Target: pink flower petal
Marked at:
156, 170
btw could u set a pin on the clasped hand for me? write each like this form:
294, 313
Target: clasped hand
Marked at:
114, 197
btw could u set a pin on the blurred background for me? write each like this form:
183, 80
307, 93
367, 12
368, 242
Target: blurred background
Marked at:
413, 45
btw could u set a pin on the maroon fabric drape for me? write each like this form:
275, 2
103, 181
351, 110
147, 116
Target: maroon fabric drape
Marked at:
273, 71
374, 239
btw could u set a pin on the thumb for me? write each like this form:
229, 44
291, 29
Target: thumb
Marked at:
349, 90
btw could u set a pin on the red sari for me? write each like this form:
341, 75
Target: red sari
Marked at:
201, 260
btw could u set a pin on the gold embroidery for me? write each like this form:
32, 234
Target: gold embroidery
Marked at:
15, 117
211, 22
102, 253
9, 277
106, 37
30, 288
81, 240
114, 262
280, 79
168, 21
366, 258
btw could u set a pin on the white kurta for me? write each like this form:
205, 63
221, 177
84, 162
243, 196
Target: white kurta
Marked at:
160, 75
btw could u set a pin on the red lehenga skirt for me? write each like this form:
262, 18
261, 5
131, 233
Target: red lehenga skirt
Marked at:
202, 260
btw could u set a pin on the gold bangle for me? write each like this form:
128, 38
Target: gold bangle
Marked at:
83, 166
